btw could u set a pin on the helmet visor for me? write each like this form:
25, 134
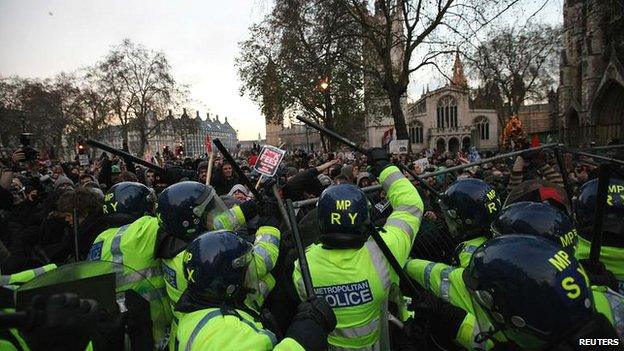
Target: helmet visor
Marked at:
451, 217
209, 208
498, 325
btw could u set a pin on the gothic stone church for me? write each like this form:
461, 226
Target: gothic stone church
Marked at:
441, 119
591, 90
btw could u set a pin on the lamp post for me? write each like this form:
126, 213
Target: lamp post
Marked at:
324, 87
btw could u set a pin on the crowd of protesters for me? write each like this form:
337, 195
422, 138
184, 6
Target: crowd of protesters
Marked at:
38, 198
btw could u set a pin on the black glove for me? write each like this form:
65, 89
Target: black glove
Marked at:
313, 322
249, 208
62, 322
269, 212
434, 317
174, 174
599, 274
378, 160
267, 187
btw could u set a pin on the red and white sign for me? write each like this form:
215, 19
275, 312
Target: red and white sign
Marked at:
269, 160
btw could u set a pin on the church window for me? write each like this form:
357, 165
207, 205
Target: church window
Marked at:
483, 127
447, 112
416, 133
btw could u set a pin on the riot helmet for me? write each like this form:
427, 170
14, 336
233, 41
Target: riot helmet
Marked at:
539, 190
343, 213
537, 219
469, 207
130, 198
585, 207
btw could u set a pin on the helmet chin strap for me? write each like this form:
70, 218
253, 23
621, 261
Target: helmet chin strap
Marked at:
486, 335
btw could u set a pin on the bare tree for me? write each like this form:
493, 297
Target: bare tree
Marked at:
141, 87
521, 63
403, 36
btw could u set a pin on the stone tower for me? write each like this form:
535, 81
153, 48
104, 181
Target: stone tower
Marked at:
591, 87
459, 78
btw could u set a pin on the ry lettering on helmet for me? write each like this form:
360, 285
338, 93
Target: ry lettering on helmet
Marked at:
491, 205
616, 191
108, 205
336, 217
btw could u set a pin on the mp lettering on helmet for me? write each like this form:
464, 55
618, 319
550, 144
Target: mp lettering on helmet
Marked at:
568, 238
560, 260
616, 191
343, 204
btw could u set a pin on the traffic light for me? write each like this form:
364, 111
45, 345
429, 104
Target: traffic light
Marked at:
81, 149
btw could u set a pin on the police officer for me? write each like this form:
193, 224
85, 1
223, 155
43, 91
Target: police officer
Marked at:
538, 219
187, 209
612, 250
469, 206
133, 245
528, 289
348, 269
220, 269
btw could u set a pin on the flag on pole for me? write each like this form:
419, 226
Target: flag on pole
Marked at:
535, 142
208, 144
387, 137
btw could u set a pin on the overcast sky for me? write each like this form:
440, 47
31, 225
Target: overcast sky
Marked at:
41, 38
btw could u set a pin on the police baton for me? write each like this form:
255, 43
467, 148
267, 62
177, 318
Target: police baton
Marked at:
359, 149
126, 156
597, 157
75, 230
239, 172
17, 319
396, 266
564, 174
303, 261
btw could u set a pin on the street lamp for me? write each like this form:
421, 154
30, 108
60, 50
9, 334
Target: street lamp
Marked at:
323, 87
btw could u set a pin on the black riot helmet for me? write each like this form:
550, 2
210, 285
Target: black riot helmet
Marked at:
537, 219
188, 208
613, 224
528, 288
470, 205
130, 198
343, 213
216, 265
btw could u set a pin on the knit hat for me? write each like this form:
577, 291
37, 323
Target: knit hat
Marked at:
238, 187
202, 165
63, 180
325, 180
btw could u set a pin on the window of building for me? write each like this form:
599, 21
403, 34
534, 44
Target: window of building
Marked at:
416, 133
447, 112
483, 127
